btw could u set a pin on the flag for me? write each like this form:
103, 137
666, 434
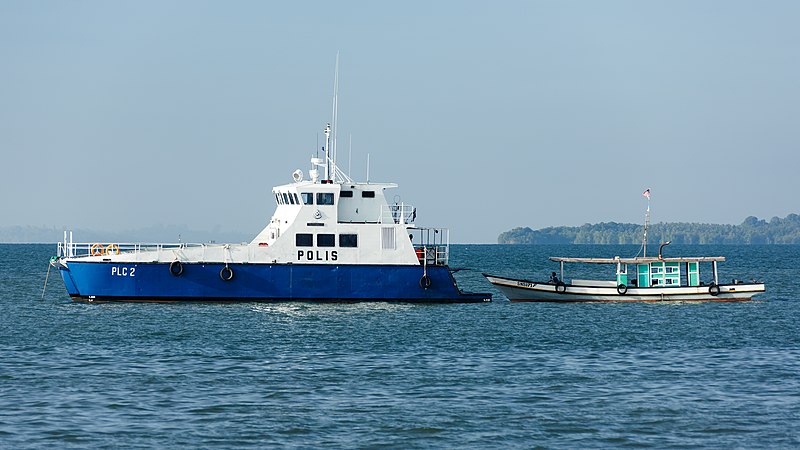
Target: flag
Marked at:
647, 193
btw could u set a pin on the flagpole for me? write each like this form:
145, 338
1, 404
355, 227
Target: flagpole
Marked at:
646, 221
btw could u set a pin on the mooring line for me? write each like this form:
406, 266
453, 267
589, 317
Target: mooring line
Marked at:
44, 289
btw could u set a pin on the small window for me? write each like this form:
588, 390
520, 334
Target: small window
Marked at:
291, 199
285, 199
296, 200
304, 240
347, 194
278, 198
655, 281
348, 240
326, 240
308, 198
368, 194
324, 198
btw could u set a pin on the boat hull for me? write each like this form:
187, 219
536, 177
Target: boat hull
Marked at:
530, 291
156, 282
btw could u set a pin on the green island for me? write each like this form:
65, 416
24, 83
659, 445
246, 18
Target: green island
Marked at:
751, 231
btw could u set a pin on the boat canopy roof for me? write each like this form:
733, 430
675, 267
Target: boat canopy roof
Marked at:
638, 260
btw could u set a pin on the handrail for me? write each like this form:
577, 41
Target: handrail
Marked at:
86, 249
398, 213
433, 256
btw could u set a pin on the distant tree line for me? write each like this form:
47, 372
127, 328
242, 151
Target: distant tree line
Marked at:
751, 231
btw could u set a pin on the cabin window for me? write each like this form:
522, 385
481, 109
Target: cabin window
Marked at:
347, 194
655, 281
326, 240
304, 240
291, 200
669, 269
324, 198
368, 194
670, 281
278, 198
296, 200
348, 240
308, 198
285, 198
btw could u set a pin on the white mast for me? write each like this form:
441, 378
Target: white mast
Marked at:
327, 150
646, 193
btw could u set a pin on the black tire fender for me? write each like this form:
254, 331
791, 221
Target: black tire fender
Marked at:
622, 289
713, 289
226, 273
176, 268
425, 282
561, 287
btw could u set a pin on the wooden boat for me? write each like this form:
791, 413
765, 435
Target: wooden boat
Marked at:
653, 279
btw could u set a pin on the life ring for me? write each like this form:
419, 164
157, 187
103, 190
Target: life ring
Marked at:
425, 282
622, 289
226, 273
713, 289
112, 249
561, 287
97, 250
176, 268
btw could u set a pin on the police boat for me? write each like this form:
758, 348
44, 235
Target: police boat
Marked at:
330, 239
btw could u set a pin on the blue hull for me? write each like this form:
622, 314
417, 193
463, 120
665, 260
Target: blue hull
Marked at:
103, 281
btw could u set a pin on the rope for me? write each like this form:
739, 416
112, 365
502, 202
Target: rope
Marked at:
44, 289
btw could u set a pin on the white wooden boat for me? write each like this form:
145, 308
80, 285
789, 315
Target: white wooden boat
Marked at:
654, 279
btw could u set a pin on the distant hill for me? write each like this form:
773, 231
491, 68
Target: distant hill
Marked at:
751, 231
159, 233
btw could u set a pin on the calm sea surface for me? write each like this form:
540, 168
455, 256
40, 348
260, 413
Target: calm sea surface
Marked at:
497, 375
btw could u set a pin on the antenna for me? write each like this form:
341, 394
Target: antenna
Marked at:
350, 156
335, 114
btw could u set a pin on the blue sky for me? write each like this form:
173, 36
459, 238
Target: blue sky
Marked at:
489, 116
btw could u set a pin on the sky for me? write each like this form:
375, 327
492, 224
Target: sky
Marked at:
488, 115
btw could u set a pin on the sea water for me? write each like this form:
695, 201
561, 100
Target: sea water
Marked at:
495, 375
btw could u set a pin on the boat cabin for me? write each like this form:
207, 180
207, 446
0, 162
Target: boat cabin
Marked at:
653, 271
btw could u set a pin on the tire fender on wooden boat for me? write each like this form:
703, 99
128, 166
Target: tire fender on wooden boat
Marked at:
622, 289
713, 289
226, 273
176, 268
561, 287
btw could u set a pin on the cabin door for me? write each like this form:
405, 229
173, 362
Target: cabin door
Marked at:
643, 274
693, 274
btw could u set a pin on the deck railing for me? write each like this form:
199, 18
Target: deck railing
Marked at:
398, 213
83, 249
432, 245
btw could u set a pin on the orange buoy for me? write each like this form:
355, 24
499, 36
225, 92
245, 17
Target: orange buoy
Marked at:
97, 250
